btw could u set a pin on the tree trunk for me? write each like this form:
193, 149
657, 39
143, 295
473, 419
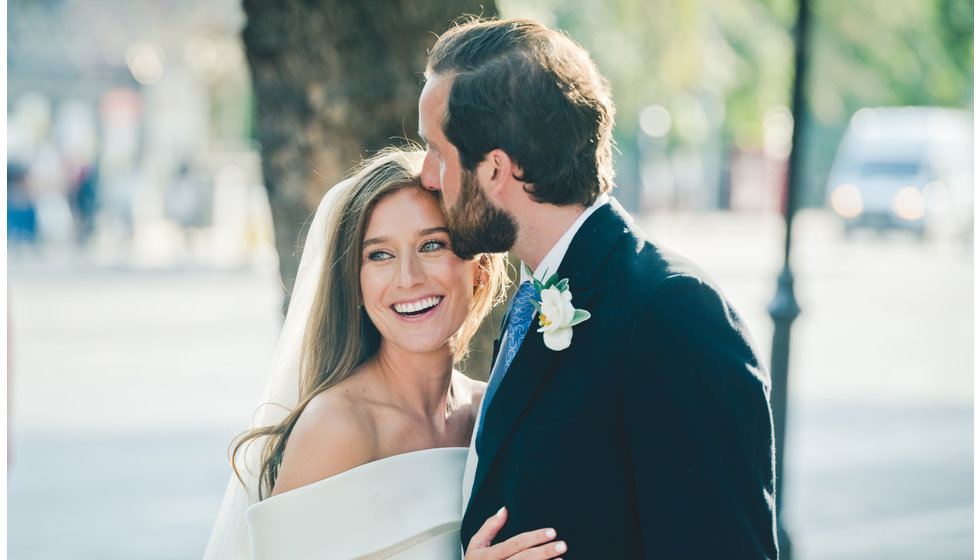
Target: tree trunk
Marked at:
334, 80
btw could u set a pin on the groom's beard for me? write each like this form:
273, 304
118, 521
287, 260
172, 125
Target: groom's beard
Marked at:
475, 224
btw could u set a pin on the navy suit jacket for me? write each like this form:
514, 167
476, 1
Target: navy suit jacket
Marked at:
651, 435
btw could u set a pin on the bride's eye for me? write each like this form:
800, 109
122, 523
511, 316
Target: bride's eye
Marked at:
433, 245
378, 256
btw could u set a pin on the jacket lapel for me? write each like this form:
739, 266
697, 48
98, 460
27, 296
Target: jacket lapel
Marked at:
585, 258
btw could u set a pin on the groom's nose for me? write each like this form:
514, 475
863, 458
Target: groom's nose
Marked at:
430, 173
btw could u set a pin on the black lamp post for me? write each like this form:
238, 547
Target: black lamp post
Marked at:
784, 309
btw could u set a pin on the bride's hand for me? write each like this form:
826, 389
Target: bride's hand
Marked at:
532, 545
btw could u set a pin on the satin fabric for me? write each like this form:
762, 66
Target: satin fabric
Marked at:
405, 507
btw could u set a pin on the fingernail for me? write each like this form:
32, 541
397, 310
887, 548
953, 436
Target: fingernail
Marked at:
501, 511
560, 547
550, 533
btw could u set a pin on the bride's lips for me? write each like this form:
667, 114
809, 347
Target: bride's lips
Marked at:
417, 308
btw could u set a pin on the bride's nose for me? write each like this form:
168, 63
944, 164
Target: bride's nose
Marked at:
410, 272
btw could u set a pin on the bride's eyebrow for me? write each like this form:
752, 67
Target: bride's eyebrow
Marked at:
374, 241
421, 233
430, 231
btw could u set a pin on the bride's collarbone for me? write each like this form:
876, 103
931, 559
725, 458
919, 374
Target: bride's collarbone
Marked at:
394, 424
400, 431
403, 430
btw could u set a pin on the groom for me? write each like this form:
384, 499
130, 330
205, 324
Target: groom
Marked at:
643, 431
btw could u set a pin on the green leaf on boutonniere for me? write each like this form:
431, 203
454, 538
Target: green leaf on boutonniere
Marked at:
580, 315
551, 281
537, 285
536, 304
563, 285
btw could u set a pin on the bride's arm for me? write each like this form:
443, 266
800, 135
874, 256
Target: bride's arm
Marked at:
328, 439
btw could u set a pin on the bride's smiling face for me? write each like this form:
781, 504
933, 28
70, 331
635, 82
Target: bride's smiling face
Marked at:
416, 291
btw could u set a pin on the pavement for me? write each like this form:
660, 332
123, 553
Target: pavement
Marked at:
127, 383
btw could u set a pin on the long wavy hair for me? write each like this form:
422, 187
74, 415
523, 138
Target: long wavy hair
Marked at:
339, 334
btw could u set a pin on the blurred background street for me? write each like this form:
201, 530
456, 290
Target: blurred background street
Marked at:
128, 384
164, 158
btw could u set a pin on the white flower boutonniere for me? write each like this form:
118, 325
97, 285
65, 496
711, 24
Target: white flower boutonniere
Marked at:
556, 314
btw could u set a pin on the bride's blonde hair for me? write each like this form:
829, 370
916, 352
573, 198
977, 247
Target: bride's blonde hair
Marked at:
339, 335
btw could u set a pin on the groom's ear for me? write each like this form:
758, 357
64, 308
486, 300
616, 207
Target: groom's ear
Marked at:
499, 172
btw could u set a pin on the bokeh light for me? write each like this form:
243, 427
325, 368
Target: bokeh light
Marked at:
146, 62
846, 201
655, 121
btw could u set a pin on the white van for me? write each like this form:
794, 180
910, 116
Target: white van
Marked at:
905, 168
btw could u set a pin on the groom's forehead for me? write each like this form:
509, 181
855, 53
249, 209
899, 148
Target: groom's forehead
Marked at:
432, 107
435, 92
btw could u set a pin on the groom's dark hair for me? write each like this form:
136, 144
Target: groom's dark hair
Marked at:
535, 94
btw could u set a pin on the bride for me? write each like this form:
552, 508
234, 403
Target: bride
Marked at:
364, 456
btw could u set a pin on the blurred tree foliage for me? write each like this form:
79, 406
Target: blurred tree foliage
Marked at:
719, 66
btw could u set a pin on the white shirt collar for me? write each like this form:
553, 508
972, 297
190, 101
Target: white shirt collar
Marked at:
553, 259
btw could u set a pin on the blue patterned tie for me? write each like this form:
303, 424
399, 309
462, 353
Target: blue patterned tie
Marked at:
518, 322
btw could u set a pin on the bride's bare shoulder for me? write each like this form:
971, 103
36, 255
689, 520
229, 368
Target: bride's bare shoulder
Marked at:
332, 435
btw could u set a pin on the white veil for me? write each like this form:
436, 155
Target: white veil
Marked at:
229, 538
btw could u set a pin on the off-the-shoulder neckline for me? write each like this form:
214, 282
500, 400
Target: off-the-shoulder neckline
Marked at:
358, 468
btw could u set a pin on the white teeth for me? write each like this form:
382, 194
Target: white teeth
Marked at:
418, 305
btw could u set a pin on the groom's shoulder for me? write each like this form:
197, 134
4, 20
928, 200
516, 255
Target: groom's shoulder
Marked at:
636, 262
649, 260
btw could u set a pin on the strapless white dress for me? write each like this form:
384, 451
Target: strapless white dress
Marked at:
405, 507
